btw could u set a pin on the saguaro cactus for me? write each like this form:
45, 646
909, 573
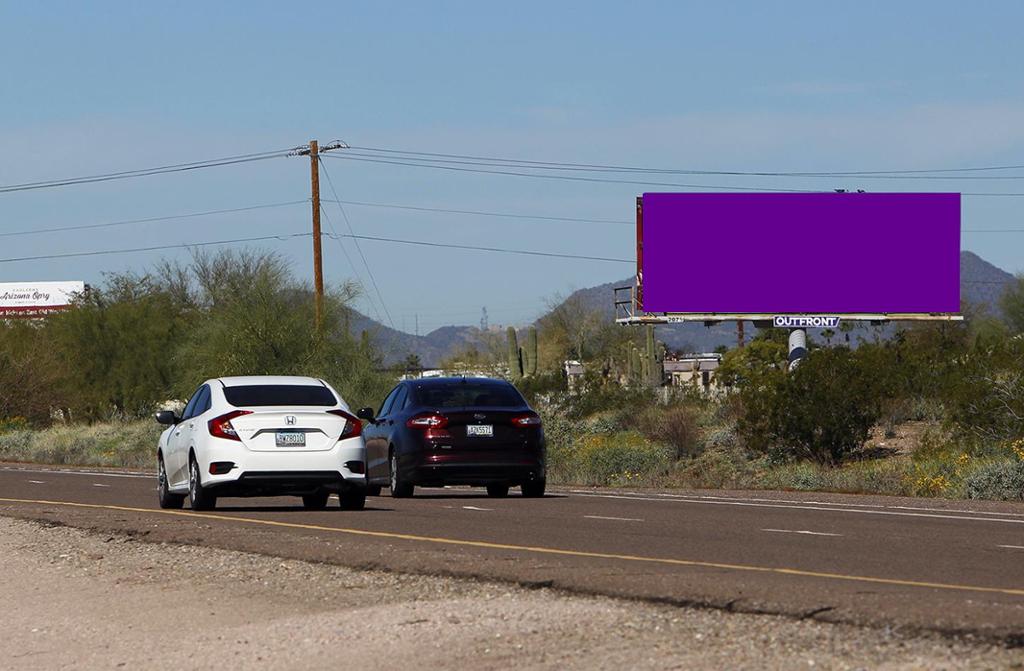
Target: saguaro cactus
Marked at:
515, 364
530, 353
652, 367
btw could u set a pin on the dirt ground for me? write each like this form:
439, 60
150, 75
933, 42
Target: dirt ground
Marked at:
74, 599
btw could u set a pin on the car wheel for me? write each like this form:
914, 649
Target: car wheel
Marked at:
352, 499
497, 491
198, 496
400, 489
167, 499
534, 489
373, 490
316, 501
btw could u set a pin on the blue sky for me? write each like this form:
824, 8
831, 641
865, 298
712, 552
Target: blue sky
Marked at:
89, 88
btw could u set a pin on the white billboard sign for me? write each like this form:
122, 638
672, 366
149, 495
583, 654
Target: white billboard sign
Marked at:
36, 299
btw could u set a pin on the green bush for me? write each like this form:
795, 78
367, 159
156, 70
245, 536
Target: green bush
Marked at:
119, 444
1000, 481
823, 410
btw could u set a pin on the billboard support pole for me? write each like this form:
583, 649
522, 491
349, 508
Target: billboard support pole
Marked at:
797, 347
639, 300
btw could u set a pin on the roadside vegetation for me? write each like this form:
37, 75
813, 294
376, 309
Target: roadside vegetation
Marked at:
923, 409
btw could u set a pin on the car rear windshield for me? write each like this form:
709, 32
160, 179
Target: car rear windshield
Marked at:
468, 394
279, 394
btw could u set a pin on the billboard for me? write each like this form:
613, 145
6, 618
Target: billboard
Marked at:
823, 253
36, 299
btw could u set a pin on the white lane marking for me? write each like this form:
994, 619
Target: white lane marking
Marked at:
1011, 547
96, 484
699, 497
807, 507
37, 482
614, 519
800, 531
62, 471
475, 508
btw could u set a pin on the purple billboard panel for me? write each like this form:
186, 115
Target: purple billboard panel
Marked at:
754, 253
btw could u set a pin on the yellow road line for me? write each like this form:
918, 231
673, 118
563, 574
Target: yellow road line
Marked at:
534, 549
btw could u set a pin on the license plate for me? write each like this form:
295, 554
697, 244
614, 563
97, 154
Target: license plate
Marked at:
483, 430
291, 439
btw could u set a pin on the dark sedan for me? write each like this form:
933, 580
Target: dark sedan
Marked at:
454, 431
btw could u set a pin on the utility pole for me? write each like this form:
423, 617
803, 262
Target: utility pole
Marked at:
739, 334
318, 262
313, 151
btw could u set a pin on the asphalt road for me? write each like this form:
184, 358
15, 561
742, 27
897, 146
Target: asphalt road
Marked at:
946, 566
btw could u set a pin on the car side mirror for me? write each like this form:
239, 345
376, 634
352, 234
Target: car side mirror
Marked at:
365, 413
167, 417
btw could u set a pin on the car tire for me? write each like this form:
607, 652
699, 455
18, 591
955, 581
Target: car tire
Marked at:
352, 499
315, 501
534, 489
373, 490
400, 489
167, 499
199, 497
497, 490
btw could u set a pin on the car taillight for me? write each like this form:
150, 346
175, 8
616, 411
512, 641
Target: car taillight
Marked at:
526, 421
220, 427
428, 421
353, 427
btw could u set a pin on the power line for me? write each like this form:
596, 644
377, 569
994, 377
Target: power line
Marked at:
348, 259
147, 220
359, 249
145, 172
186, 245
570, 178
509, 215
676, 171
503, 250
569, 167
717, 187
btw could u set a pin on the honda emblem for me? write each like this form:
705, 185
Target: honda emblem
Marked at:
289, 420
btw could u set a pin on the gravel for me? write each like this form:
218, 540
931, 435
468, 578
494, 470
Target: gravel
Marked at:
75, 599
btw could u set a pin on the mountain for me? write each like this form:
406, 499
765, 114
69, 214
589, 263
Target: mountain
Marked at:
431, 348
981, 285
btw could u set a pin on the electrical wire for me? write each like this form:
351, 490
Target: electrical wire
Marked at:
348, 259
154, 248
676, 171
172, 217
348, 223
539, 217
580, 168
145, 172
572, 178
503, 250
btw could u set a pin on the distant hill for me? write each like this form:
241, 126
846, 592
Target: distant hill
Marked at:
981, 285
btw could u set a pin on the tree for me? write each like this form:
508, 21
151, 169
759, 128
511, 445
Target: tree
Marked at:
1012, 304
823, 410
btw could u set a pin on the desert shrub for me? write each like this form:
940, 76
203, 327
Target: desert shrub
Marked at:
674, 425
1000, 481
619, 458
9, 424
121, 444
988, 400
717, 468
822, 411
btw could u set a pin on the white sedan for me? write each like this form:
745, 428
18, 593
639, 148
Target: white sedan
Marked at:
262, 436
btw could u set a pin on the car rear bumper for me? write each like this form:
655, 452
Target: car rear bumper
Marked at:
429, 474
266, 473
285, 483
